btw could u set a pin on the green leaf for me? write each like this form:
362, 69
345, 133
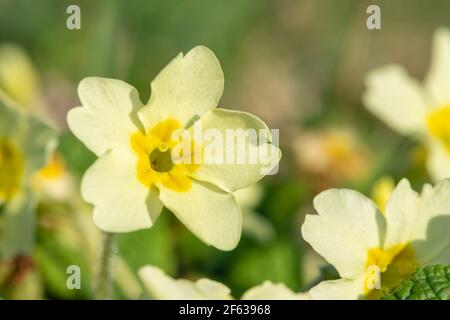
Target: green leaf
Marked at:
427, 283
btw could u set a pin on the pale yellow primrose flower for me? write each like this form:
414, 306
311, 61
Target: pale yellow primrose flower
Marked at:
415, 109
135, 175
359, 240
162, 287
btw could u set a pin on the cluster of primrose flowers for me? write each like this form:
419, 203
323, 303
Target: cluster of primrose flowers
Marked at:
138, 172
136, 175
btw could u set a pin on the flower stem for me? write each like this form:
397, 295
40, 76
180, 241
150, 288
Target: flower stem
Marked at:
103, 285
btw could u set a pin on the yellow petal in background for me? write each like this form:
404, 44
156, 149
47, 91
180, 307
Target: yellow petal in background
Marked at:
382, 191
18, 79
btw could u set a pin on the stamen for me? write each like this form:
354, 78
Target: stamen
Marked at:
163, 147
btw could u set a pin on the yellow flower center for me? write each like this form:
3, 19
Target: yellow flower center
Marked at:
11, 170
155, 165
387, 268
161, 159
439, 126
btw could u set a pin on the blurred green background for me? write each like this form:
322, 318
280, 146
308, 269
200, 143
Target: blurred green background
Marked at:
298, 65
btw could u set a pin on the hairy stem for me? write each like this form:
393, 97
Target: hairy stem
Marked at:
103, 285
